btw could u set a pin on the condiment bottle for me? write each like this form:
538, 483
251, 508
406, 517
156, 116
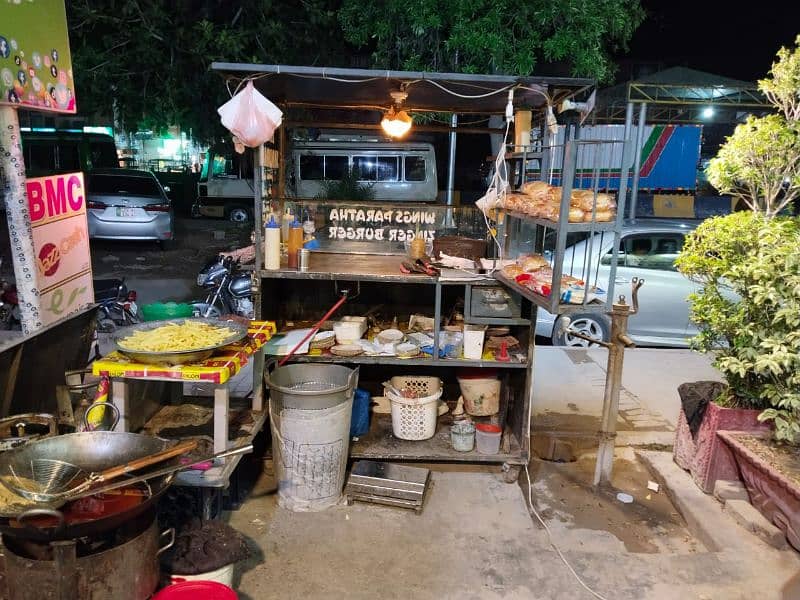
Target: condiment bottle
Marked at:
272, 245
417, 247
295, 243
288, 218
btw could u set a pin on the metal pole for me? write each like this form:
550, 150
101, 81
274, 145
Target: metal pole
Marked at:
12, 184
451, 160
608, 423
628, 121
637, 160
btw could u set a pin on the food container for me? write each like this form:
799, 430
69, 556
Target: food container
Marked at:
451, 344
487, 438
463, 247
462, 436
481, 392
473, 341
223, 575
349, 329
390, 336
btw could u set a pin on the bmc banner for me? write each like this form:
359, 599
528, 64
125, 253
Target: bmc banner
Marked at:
57, 207
35, 63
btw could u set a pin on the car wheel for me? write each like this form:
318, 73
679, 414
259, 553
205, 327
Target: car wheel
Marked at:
167, 244
595, 326
238, 214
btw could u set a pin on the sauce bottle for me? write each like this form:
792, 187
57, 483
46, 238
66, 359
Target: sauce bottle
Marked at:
272, 245
294, 243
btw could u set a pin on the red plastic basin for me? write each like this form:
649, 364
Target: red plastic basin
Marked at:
196, 590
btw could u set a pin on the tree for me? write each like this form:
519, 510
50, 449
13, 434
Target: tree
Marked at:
147, 61
760, 162
492, 36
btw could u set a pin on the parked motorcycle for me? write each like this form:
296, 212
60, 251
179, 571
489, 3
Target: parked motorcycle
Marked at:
116, 304
229, 289
10, 317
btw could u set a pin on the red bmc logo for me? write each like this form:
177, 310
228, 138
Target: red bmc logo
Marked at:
51, 197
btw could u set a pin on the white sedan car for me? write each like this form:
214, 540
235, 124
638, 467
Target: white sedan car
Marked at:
648, 250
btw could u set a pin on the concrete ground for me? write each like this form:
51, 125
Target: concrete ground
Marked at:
476, 537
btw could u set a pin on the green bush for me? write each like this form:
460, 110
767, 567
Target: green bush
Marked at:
347, 188
747, 307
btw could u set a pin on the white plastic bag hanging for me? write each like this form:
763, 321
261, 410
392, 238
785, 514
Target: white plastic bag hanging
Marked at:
250, 116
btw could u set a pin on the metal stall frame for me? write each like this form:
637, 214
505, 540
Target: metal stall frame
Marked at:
455, 93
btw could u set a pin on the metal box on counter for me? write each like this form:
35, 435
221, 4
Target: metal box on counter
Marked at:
494, 302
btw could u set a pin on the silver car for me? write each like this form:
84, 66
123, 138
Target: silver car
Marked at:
128, 204
648, 249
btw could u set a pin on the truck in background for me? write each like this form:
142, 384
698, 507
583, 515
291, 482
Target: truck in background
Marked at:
670, 160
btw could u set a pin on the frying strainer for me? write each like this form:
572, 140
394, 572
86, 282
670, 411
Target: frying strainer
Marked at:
50, 479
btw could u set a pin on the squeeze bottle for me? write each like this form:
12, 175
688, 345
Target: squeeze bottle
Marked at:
272, 244
288, 218
295, 243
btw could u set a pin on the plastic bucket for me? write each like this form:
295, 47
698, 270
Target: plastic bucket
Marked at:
223, 575
196, 590
310, 413
481, 395
487, 438
462, 436
158, 311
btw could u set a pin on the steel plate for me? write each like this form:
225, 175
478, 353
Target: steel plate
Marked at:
178, 356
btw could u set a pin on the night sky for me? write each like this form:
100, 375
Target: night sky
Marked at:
727, 38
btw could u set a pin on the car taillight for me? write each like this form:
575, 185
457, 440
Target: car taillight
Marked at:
91, 204
132, 296
157, 208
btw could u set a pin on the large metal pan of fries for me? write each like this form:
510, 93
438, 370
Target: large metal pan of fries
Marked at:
177, 341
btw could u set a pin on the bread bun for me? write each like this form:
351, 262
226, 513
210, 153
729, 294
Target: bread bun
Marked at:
576, 215
533, 263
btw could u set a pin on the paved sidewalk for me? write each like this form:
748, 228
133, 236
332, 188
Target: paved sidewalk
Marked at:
569, 385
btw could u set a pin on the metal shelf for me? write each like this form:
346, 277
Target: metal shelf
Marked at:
545, 302
496, 321
393, 360
380, 443
596, 226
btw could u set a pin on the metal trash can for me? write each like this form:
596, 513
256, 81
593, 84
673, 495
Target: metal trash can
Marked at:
310, 409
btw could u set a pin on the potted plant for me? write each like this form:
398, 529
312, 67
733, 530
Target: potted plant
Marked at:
747, 268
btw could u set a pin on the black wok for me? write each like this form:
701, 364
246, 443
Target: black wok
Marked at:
47, 525
92, 451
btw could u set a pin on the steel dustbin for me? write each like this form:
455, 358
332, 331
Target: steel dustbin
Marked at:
310, 410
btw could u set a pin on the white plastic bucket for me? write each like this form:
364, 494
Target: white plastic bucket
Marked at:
481, 395
223, 575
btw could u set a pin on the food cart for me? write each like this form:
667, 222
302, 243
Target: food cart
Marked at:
360, 247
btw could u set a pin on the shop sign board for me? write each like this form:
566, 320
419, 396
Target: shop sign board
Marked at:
35, 62
384, 228
57, 208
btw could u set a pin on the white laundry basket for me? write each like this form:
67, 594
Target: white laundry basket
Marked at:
415, 418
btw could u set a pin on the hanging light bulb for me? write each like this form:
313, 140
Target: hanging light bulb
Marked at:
396, 123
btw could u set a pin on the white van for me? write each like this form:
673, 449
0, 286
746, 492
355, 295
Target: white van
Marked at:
396, 171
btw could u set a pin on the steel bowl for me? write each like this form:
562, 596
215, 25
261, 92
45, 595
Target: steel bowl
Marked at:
178, 356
